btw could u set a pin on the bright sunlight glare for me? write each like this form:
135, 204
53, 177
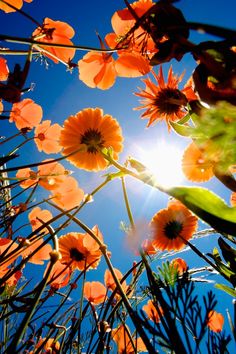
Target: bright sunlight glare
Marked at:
164, 161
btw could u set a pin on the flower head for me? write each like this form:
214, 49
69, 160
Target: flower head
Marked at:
195, 165
68, 195
164, 100
95, 292
179, 265
122, 338
110, 281
51, 175
55, 32
37, 217
215, 321
152, 312
80, 251
172, 226
27, 177
86, 133
26, 114
4, 71
42, 254
46, 137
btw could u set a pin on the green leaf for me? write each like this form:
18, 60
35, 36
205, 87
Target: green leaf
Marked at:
226, 289
181, 129
208, 206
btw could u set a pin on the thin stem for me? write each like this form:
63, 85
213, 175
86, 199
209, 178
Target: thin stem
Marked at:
22, 12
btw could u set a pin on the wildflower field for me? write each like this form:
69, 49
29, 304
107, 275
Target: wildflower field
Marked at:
117, 177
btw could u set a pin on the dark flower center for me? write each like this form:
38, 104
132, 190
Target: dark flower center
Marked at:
170, 100
76, 255
173, 229
92, 138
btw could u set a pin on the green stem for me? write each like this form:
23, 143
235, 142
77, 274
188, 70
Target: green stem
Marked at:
127, 204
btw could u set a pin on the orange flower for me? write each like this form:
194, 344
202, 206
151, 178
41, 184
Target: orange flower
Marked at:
164, 100
4, 71
131, 64
17, 3
68, 195
80, 251
121, 337
152, 312
7, 246
86, 133
110, 281
97, 70
38, 214
27, 177
46, 137
179, 265
51, 346
60, 275
170, 226
55, 32
42, 254
136, 40
26, 114
95, 292
1, 107
196, 167
13, 280
51, 175
215, 321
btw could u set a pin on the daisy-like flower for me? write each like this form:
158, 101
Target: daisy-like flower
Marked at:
26, 114
195, 165
164, 101
215, 321
86, 133
80, 251
4, 71
151, 311
46, 137
171, 226
95, 292
55, 32
122, 338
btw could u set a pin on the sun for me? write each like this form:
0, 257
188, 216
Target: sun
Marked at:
164, 161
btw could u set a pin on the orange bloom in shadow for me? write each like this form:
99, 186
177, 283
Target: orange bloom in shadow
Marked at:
7, 246
51, 175
95, 292
215, 321
60, 275
4, 71
27, 177
164, 101
46, 137
110, 282
17, 3
26, 114
196, 167
38, 214
97, 70
42, 254
171, 226
13, 280
51, 346
151, 311
86, 133
80, 251
68, 195
122, 338
55, 32
179, 265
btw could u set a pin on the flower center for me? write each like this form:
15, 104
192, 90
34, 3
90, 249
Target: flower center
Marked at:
76, 255
170, 100
92, 138
173, 229
41, 136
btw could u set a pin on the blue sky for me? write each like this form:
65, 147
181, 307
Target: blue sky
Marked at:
61, 94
